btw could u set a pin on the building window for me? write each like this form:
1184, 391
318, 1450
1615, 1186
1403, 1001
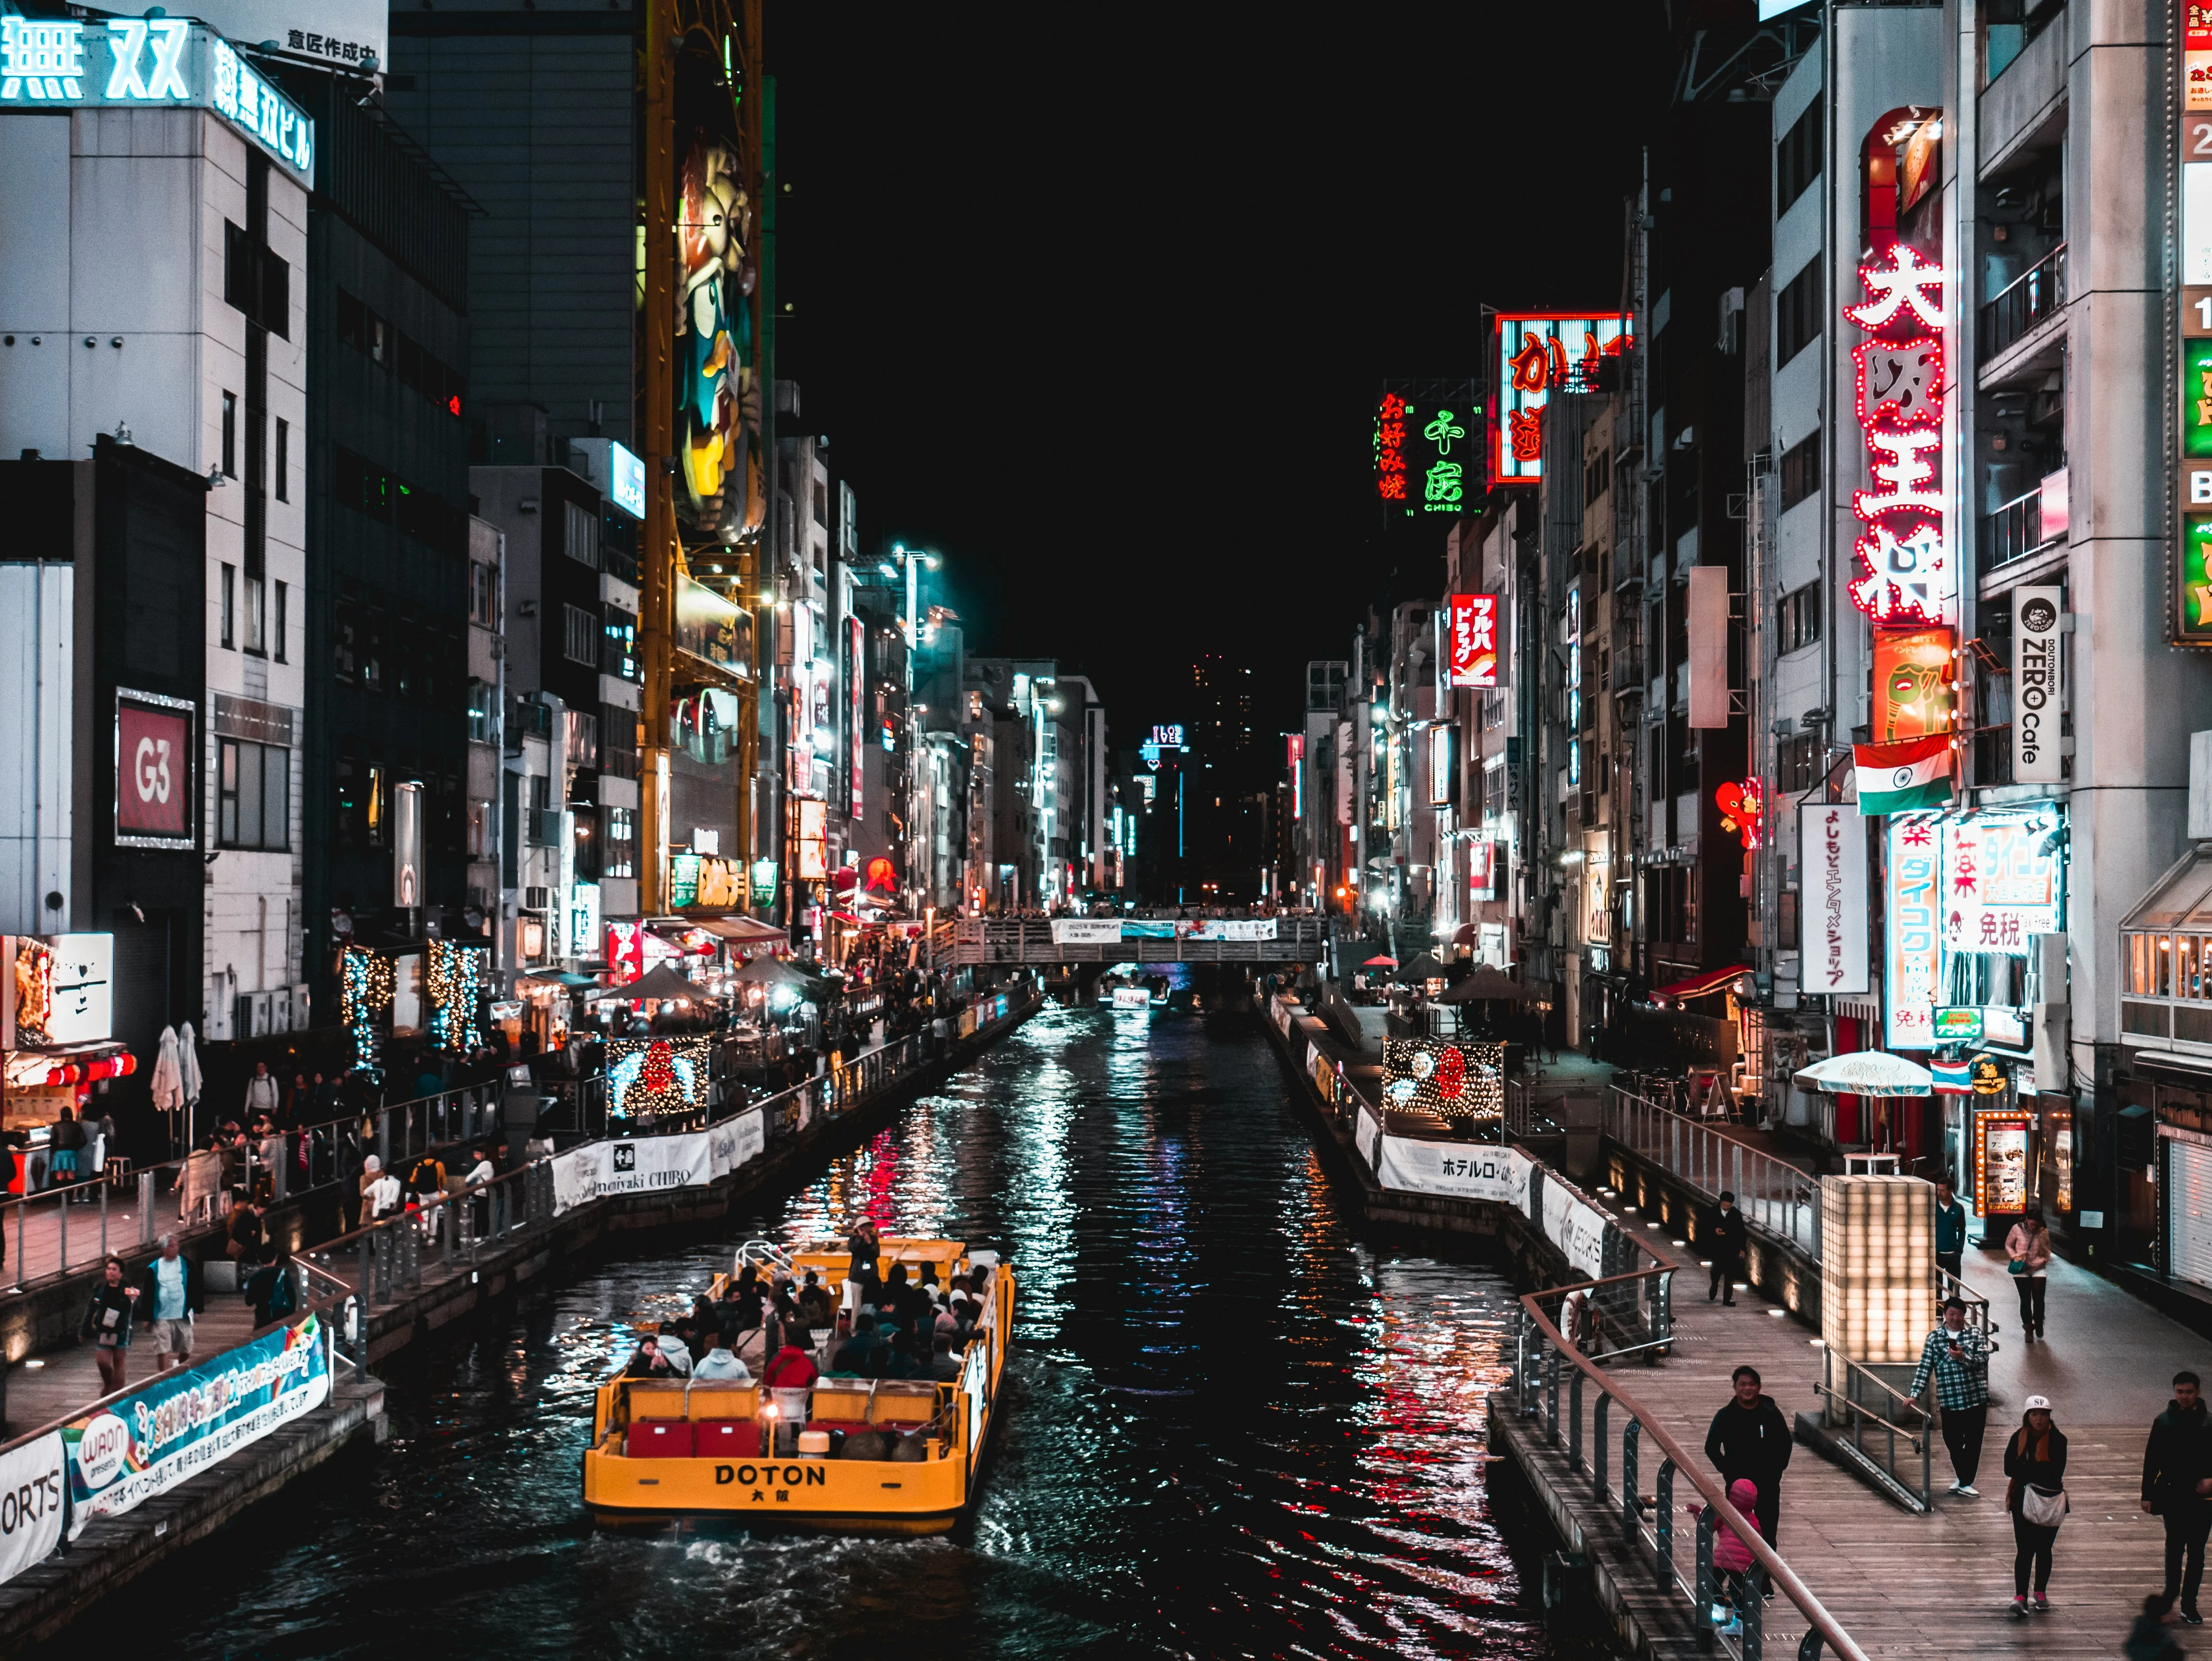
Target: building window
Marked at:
479, 830
379, 336
1800, 470
229, 606
1597, 476
257, 617
230, 435
1797, 158
253, 796
483, 595
283, 459
619, 857
579, 635
1798, 620
1797, 313
353, 323
580, 537
282, 593
1796, 765
484, 712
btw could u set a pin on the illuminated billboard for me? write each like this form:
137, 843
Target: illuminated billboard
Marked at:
1428, 447
156, 779
713, 629
1540, 353
1905, 568
1473, 622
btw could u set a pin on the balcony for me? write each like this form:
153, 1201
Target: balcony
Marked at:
2013, 532
2027, 302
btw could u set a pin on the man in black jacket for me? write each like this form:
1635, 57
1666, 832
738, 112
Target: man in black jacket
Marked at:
1750, 1440
2177, 1487
1724, 1237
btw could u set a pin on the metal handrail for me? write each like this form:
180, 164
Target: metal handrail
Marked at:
2013, 312
1823, 1628
1774, 1195
1885, 1471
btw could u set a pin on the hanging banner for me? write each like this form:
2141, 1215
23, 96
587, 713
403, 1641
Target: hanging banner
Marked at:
1913, 895
2035, 694
1832, 876
1085, 931
33, 1480
1459, 1170
1574, 1226
189, 1420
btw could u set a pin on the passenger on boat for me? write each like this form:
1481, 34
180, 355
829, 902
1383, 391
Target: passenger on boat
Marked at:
677, 1352
866, 1245
861, 1354
816, 1306
948, 1323
944, 1365
719, 1363
902, 1363
897, 1296
748, 1296
649, 1362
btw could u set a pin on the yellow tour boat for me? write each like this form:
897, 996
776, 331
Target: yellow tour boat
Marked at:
668, 1449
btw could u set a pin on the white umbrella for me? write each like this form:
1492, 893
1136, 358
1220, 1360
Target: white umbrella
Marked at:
188, 1062
1867, 1073
168, 1083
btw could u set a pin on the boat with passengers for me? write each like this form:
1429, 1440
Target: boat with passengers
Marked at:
846, 1455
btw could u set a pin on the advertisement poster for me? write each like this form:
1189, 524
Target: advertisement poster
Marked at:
190, 1419
1914, 907
33, 1483
1832, 864
1914, 695
718, 492
1474, 625
2002, 883
2001, 1169
154, 771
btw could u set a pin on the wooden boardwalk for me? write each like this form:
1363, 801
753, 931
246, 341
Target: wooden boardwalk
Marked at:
1941, 1586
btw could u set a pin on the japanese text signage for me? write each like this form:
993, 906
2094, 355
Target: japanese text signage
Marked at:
1428, 447
1905, 571
2189, 604
1540, 353
1914, 900
1832, 858
137, 63
1473, 620
2003, 882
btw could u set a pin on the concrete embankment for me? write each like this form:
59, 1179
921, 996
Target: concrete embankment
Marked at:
44, 1598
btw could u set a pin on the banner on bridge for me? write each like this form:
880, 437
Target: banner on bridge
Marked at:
1111, 931
188, 1420
1085, 931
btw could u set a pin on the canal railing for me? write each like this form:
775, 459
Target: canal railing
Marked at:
1772, 1194
1886, 1435
1610, 1458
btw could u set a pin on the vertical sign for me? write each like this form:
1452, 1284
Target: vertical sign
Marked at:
1474, 621
2035, 694
1832, 855
1297, 760
856, 646
1441, 780
1905, 567
1915, 896
2189, 605
1540, 353
1428, 447
1344, 772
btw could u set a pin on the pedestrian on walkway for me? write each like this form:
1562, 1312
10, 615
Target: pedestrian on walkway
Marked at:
1750, 1441
1950, 1229
1959, 1357
2149, 1639
261, 1092
2035, 1463
170, 1292
2176, 1490
1733, 1562
1725, 1238
2029, 1245
107, 1323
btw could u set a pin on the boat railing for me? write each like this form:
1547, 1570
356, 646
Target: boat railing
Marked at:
1610, 1458
759, 1253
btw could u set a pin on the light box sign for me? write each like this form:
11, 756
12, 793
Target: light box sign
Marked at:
1915, 905
711, 629
1297, 759
856, 688
1905, 571
2001, 1171
2035, 694
1541, 354
1832, 857
1915, 692
1428, 447
1473, 620
2189, 601
156, 779
148, 63
2003, 882
1442, 780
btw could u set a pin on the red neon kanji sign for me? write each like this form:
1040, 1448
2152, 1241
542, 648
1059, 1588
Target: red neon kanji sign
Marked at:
1904, 558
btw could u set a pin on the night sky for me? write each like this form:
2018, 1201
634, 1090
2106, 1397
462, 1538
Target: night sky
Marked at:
1096, 304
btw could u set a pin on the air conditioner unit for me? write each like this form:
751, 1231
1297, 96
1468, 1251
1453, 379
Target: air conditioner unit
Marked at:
280, 1010
241, 1017
218, 1011
537, 899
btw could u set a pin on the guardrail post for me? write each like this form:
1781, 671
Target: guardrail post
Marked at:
61, 1215
1663, 1526
1574, 1420
1631, 1433
145, 1208
1706, 1586
104, 1187
365, 1276
1751, 1611
282, 1169
1599, 1414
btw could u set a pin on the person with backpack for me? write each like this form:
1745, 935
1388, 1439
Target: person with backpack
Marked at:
2035, 1461
271, 1290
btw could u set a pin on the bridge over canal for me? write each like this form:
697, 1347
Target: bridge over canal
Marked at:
1259, 940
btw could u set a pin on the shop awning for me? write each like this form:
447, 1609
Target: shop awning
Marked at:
1423, 967
1699, 986
2182, 898
744, 930
1486, 985
1463, 935
662, 983
559, 977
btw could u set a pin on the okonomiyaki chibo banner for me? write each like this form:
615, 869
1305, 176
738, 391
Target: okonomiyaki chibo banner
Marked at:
190, 1419
641, 1165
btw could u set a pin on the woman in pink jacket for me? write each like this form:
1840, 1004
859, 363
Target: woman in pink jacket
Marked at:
2029, 1245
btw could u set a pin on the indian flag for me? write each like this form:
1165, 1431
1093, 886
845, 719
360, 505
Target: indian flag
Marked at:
1895, 778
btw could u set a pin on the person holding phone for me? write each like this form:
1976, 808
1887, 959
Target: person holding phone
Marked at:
1956, 1356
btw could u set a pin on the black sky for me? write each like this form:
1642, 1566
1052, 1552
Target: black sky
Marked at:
1095, 304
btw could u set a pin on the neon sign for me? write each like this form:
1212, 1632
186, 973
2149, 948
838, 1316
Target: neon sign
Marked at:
1474, 620
1389, 448
1427, 436
1915, 893
1743, 808
1904, 568
1297, 763
1539, 353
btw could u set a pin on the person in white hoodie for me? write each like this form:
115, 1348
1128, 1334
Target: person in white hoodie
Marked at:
719, 1363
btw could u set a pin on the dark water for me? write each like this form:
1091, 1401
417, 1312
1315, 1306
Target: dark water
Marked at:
1234, 1430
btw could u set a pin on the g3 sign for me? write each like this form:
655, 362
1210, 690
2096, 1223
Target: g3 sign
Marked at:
155, 777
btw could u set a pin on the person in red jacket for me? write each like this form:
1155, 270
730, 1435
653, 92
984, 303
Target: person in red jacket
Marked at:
788, 1378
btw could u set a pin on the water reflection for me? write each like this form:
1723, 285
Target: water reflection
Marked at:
1234, 1430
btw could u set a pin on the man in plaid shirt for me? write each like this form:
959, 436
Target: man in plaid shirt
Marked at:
1959, 1356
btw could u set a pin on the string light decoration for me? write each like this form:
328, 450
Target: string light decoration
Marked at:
654, 1076
1462, 1082
454, 980
365, 983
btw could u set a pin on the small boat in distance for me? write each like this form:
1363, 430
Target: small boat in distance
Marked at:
849, 1454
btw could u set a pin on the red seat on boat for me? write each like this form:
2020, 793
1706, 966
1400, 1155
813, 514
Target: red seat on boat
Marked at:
725, 1439
660, 1438
849, 1426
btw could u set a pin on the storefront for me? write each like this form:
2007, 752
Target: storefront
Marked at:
2160, 1196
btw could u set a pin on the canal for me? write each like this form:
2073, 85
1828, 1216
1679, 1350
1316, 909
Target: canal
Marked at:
1234, 1428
